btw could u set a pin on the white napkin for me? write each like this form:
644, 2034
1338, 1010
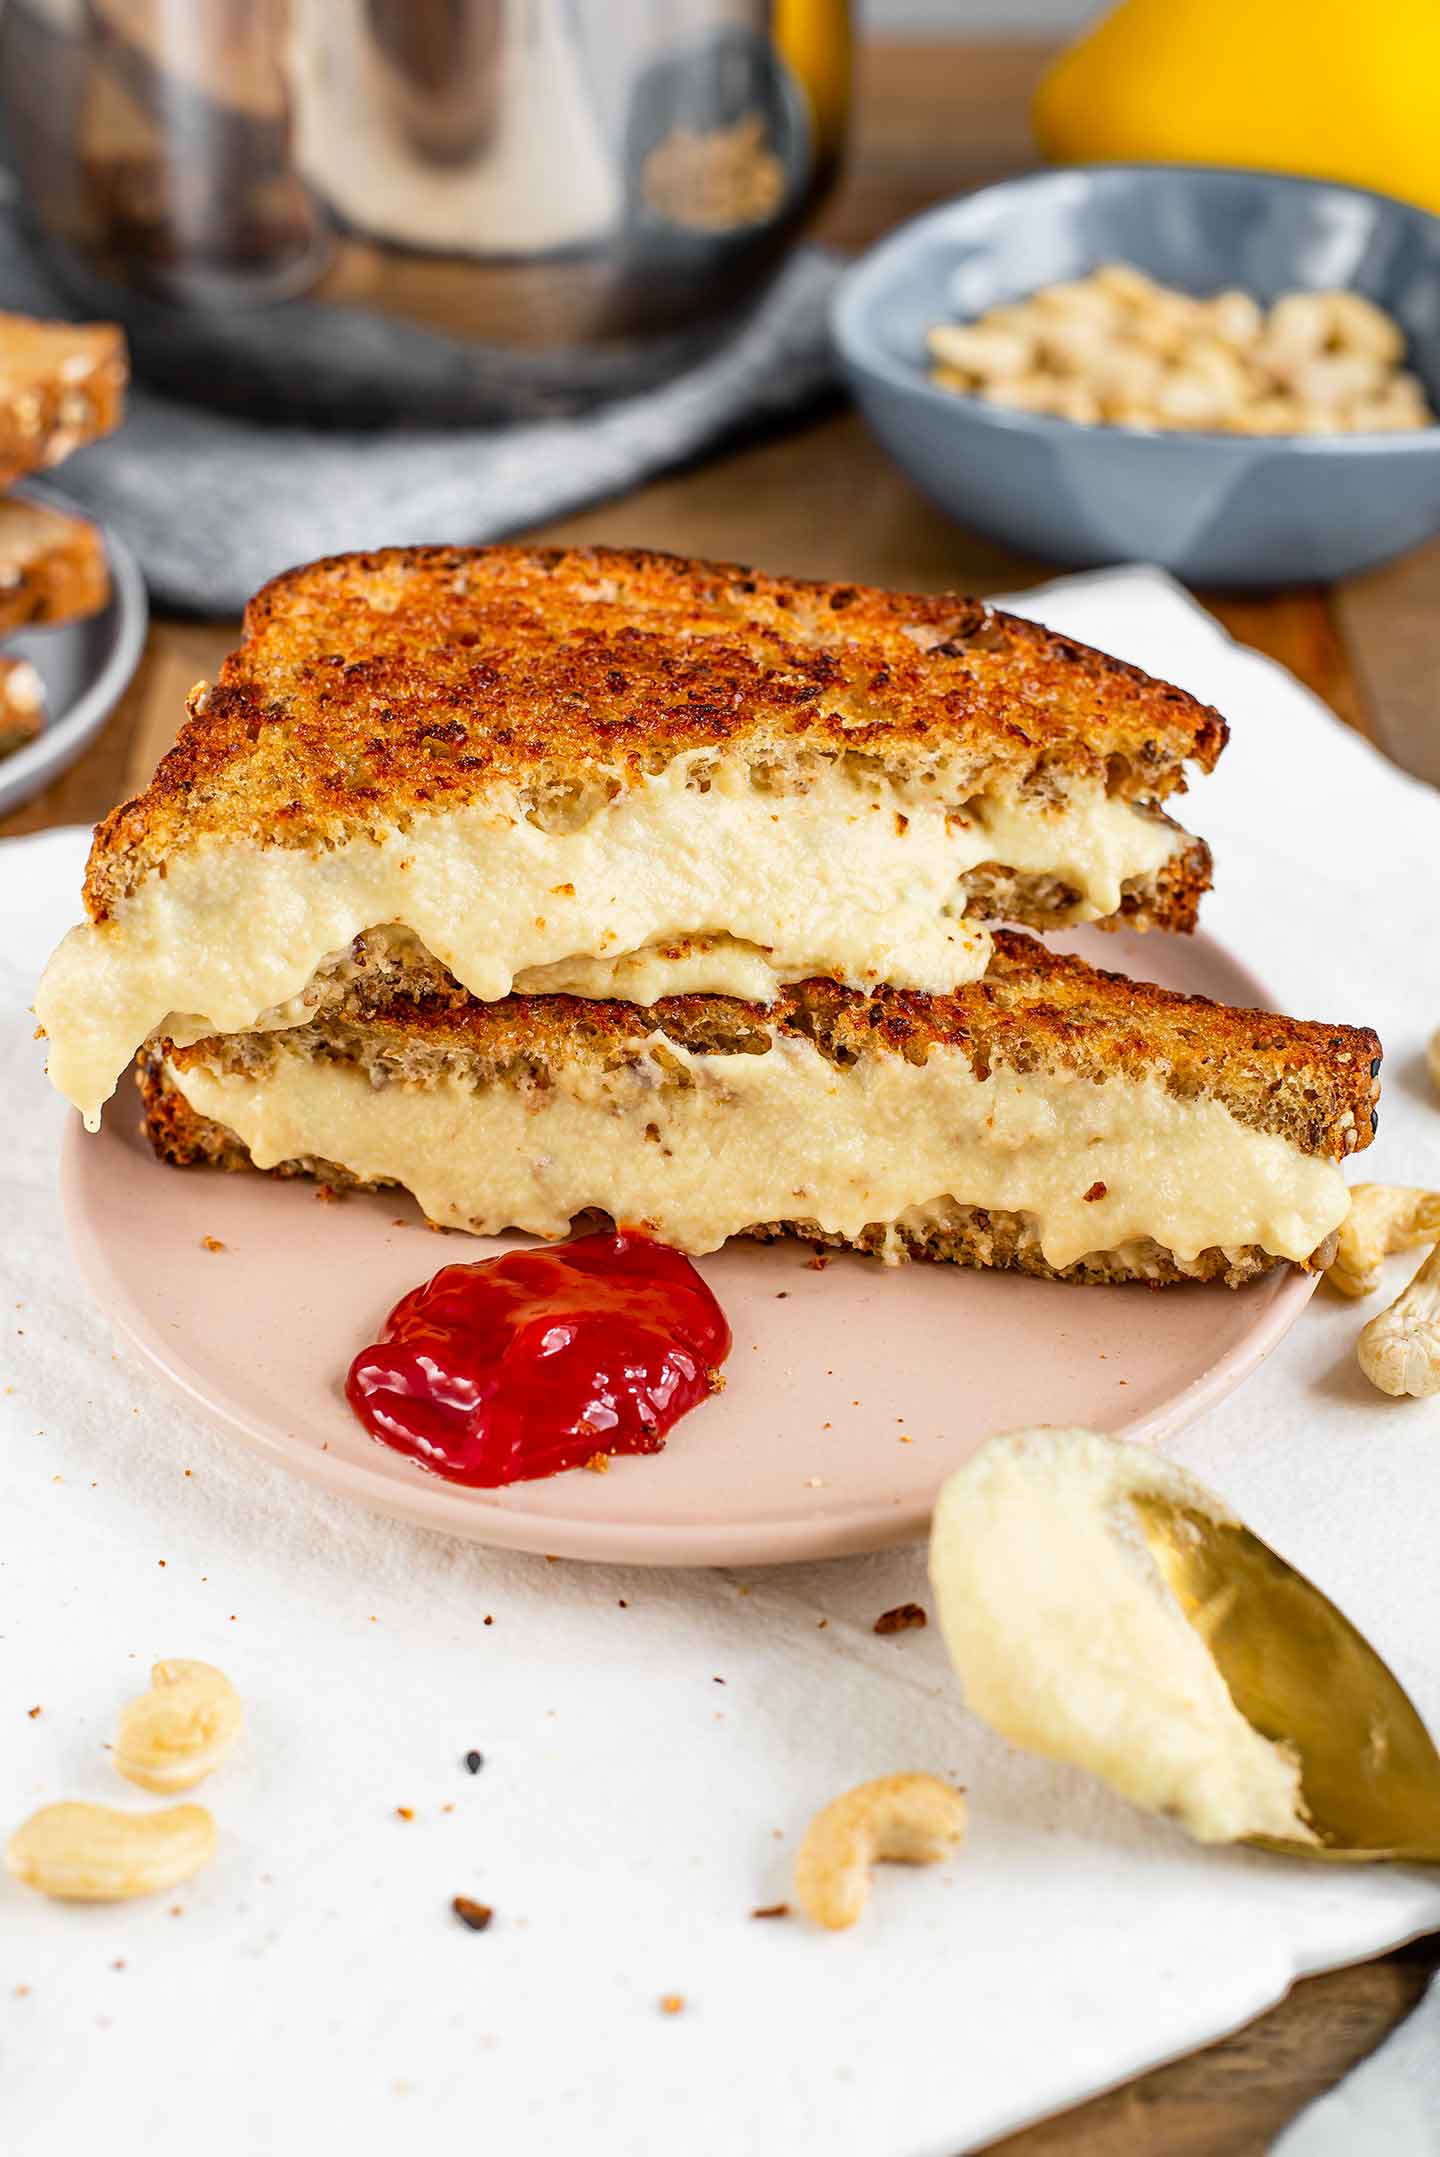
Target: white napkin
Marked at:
631, 1811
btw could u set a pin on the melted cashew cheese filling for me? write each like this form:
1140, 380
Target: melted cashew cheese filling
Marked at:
700, 1146
1068, 1640
848, 879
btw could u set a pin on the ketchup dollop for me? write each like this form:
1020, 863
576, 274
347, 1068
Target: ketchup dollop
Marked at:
542, 1359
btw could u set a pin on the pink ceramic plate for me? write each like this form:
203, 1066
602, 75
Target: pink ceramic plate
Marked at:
852, 1391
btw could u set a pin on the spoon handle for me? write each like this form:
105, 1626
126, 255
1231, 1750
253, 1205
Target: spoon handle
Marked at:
1417, 1853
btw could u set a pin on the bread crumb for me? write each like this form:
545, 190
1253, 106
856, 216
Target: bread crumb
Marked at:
211, 1243
671, 2003
904, 1618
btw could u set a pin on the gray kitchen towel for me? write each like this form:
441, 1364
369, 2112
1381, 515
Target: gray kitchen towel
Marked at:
214, 504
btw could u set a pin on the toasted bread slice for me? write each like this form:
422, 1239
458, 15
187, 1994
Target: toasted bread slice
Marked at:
1052, 1118
372, 687
22, 703
539, 761
52, 566
62, 384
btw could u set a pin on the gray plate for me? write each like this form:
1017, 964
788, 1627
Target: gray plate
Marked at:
1212, 508
86, 668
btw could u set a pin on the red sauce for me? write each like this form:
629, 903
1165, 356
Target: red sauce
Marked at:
542, 1359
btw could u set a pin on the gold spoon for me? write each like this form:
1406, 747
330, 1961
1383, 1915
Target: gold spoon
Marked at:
1301, 1675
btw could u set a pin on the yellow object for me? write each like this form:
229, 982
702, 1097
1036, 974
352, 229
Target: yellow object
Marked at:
1318, 87
814, 36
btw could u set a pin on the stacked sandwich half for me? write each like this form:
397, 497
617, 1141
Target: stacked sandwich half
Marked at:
550, 885
62, 384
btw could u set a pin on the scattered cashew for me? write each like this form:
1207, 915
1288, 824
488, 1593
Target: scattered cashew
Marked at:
92, 1853
1117, 348
1400, 1350
1383, 1217
1432, 1058
908, 1819
172, 1736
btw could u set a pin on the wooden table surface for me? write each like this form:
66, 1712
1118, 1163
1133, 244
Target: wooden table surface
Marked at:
820, 499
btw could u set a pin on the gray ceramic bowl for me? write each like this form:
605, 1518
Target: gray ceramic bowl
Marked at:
1215, 509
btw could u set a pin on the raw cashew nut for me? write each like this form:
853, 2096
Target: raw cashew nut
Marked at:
172, 1736
979, 349
1398, 407
92, 1853
1117, 349
1383, 1217
1033, 392
1358, 325
1235, 318
1333, 380
1121, 281
1400, 1350
907, 1819
1297, 328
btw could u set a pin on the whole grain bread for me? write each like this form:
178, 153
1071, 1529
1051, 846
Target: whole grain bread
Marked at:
958, 1235
62, 384
371, 688
22, 703
53, 567
1313, 1084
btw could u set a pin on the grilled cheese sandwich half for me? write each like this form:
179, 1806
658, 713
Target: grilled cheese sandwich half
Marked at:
1052, 1118
618, 775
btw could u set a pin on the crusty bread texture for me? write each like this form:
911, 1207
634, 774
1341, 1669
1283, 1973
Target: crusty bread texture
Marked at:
53, 567
371, 688
960, 1236
62, 384
1314, 1085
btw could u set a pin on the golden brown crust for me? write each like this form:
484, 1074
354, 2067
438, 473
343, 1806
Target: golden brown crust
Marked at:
22, 703
1314, 1085
1167, 899
52, 566
961, 1236
371, 687
62, 384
